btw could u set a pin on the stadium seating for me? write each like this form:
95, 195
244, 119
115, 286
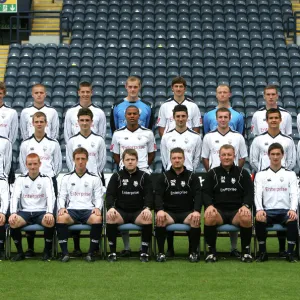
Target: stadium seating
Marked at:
208, 42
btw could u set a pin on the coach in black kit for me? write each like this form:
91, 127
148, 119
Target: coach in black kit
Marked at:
228, 195
178, 200
129, 199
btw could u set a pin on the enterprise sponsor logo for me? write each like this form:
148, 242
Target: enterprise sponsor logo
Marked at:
228, 190
34, 196
278, 189
75, 194
179, 193
130, 193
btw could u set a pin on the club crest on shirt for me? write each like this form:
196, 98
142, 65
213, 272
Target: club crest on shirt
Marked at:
183, 183
135, 183
186, 140
222, 179
173, 140
3, 116
86, 184
229, 142
281, 179
139, 137
44, 148
39, 186
173, 182
266, 144
93, 144
73, 184
32, 148
126, 138
26, 186
269, 179
233, 180
125, 181
217, 141
79, 145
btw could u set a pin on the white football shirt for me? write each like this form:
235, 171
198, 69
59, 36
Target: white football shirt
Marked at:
49, 152
71, 126
96, 148
189, 140
213, 141
259, 124
27, 129
165, 115
142, 140
259, 158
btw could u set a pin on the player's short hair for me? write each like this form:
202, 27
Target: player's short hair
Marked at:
275, 146
177, 150
39, 114
177, 80
132, 106
85, 111
85, 84
3, 87
39, 85
131, 152
33, 155
133, 78
223, 85
223, 109
226, 147
273, 111
180, 107
80, 150
271, 87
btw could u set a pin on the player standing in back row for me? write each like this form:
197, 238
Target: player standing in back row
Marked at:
165, 121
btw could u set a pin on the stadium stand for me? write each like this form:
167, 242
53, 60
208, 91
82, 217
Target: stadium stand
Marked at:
208, 42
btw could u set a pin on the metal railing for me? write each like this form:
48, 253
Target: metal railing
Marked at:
15, 24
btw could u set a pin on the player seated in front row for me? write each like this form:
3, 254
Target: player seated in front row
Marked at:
228, 197
178, 200
276, 201
33, 193
80, 200
129, 199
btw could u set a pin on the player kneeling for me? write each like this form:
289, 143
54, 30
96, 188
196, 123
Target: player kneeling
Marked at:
276, 201
80, 200
129, 199
33, 193
228, 196
178, 200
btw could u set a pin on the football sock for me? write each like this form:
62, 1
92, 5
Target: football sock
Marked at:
48, 235
76, 239
281, 240
292, 235
95, 236
160, 233
194, 238
30, 235
112, 230
146, 237
210, 233
246, 234
261, 233
17, 237
170, 239
2, 237
233, 239
63, 234
125, 238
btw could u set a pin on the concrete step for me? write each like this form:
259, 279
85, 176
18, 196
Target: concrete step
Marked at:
45, 33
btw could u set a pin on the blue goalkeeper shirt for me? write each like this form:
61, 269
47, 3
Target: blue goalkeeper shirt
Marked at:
117, 116
236, 122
